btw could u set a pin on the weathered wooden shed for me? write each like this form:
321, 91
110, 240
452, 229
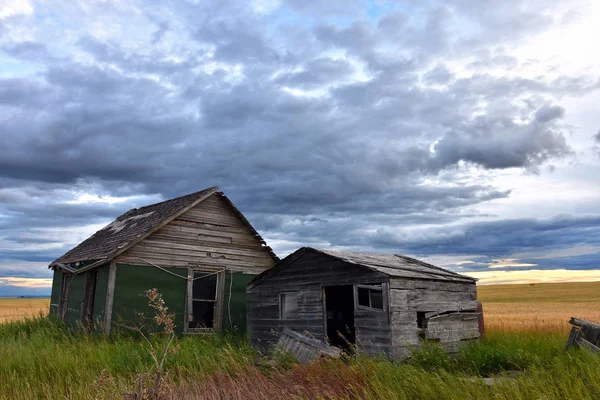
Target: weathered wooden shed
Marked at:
380, 303
198, 250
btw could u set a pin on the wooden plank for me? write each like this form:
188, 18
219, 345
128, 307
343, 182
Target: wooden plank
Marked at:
220, 306
582, 322
189, 301
587, 345
221, 250
236, 266
110, 296
222, 242
191, 259
210, 227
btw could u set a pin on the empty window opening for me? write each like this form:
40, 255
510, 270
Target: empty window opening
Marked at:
422, 324
288, 305
204, 300
371, 297
421, 319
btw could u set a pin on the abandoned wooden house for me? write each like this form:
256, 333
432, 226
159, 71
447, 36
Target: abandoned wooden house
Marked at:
373, 303
198, 250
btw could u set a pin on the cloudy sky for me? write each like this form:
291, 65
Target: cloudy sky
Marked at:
462, 132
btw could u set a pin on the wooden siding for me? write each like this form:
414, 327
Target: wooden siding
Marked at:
208, 235
307, 275
407, 297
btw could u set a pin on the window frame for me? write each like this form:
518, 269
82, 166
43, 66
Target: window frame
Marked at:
281, 304
381, 287
218, 301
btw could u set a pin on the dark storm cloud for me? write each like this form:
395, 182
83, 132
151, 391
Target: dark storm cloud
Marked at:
548, 113
439, 75
317, 72
315, 124
500, 238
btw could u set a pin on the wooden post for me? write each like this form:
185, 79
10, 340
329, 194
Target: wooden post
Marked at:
218, 322
189, 305
110, 295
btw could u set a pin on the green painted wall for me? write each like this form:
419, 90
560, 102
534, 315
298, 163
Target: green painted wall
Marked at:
234, 315
100, 297
55, 294
132, 281
75, 300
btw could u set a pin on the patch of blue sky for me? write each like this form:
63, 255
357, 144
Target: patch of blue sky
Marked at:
378, 8
13, 68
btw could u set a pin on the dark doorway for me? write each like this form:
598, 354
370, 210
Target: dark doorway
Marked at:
88, 298
339, 311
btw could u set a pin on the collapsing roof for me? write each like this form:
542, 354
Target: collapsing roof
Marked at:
136, 224
394, 265
399, 266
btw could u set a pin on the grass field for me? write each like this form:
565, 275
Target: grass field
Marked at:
527, 331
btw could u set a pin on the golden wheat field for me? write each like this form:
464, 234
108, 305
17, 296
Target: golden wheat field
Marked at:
14, 308
537, 307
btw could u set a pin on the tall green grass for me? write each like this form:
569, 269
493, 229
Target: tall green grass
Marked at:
40, 358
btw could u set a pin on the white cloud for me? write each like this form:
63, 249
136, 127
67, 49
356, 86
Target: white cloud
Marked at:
9, 8
29, 283
535, 276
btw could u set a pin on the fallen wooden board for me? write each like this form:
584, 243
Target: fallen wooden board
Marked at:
584, 334
305, 348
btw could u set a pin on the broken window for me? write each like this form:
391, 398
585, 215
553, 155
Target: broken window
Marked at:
421, 319
204, 300
288, 305
370, 296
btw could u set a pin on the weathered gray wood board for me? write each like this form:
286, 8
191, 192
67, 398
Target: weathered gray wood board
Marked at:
409, 297
305, 348
584, 334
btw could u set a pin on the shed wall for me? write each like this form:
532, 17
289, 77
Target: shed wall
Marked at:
100, 297
235, 305
129, 299
75, 300
55, 294
307, 275
408, 297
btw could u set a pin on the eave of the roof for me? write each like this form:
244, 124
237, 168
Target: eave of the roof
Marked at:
254, 232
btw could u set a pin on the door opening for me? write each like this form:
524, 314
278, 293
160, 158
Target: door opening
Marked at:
339, 311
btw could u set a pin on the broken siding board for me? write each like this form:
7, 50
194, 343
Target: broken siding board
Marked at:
161, 260
182, 260
152, 243
403, 283
178, 254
